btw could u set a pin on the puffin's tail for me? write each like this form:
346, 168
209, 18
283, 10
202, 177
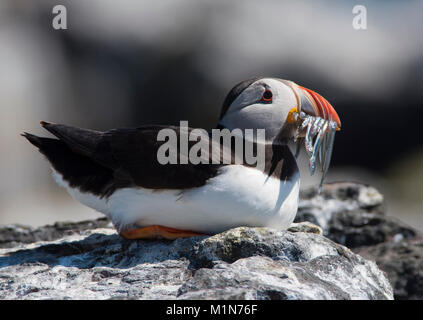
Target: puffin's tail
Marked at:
77, 168
40, 142
82, 141
36, 141
56, 151
72, 142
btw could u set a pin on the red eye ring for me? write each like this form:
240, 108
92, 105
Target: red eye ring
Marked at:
267, 96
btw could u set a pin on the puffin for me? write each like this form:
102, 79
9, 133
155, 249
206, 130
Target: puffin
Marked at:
118, 172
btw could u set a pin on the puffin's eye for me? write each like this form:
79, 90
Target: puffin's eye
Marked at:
267, 96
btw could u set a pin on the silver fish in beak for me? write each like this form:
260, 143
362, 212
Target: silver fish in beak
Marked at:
317, 123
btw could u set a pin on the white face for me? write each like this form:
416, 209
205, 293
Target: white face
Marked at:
265, 104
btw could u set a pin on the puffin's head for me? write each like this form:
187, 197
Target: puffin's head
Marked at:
268, 103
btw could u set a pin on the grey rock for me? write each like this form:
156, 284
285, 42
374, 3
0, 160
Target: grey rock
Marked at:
360, 228
337, 198
13, 234
242, 263
305, 226
402, 260
352, 214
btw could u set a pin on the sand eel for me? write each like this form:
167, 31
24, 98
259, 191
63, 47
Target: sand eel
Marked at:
117, 172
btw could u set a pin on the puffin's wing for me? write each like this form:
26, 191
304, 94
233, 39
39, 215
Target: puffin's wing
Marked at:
122, 158
135, 157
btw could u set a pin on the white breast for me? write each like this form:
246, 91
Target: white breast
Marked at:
238, 196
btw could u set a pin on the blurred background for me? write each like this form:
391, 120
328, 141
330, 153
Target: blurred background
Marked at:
132, 62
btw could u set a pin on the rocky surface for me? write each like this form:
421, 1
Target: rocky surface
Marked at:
353, 215
402, 260
88, 260
14, 234
242, 263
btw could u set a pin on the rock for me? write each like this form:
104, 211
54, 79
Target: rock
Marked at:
242, 263
337, 198
14, 234
347, 213
353, 215
305, 226
360, 228
402, 260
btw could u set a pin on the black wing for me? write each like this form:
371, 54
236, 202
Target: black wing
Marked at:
101, 162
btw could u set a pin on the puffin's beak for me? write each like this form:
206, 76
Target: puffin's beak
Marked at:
315, 105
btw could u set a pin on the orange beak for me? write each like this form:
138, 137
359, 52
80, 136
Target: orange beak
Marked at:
317, 106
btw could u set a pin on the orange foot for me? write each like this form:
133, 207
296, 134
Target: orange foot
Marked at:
157, 232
